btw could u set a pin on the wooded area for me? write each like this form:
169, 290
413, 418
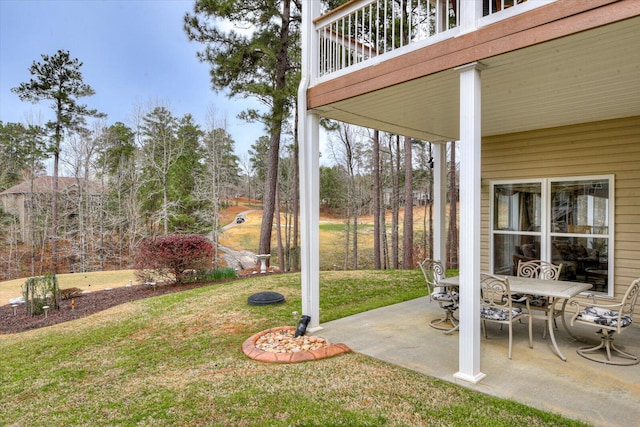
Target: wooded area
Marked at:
171, 176
116, 184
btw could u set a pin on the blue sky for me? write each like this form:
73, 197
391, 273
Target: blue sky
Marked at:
135, 53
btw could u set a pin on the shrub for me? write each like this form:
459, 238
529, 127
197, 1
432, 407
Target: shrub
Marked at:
172, 256
217, 274
69, 293
41, 291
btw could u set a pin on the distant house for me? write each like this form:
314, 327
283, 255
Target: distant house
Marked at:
17, 199
420, 197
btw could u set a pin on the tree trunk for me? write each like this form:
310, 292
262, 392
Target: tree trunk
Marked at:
279, 231
347, 240
165, 204
453, 212
376, 201
278, 113
407, 243
295, 248
395, 203
430, 202
355, 240
384, 242
102, 247
286, 265
54, 202
32, 224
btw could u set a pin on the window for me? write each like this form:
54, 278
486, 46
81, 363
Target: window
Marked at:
561, 220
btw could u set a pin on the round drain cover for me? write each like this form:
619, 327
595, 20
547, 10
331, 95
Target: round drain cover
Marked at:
265, 298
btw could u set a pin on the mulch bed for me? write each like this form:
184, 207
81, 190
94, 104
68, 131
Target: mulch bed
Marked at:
85, 305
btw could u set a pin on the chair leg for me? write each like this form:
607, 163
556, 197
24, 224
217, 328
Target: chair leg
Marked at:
447, 323
606, 344
443, 323
546, 325
510, 338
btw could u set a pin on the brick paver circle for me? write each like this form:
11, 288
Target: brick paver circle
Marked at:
249, 348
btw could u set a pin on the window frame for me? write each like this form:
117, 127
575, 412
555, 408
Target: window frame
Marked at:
546, 234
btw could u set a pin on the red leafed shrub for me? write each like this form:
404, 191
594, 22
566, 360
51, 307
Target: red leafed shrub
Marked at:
173, 255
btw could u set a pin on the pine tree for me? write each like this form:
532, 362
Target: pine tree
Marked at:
58, 79
261, 62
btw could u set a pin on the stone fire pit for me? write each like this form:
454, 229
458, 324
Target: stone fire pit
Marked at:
278, 345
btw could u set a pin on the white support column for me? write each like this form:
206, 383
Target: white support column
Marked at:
470, 12
309, 146
439, 154
470, 140
310, 219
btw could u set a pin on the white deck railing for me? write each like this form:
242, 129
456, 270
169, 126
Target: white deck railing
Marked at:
363, 29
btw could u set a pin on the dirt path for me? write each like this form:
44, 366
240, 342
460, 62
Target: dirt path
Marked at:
242, 259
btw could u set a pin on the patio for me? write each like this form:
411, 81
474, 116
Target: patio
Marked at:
601, 395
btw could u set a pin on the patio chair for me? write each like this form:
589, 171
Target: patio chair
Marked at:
538, 269
609, 319
496, 305
443, 295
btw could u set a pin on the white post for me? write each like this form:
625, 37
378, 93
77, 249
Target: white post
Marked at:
470, 12
310, 220
309, 145
470, 140
439, 154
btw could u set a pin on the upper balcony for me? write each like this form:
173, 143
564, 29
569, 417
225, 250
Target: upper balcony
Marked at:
393, 65
362, 32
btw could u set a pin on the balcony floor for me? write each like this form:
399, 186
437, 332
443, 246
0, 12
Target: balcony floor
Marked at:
601, 395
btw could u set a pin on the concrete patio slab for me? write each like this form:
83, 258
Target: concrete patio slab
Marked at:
601, 395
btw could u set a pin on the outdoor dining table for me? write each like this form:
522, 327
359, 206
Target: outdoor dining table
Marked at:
555, 290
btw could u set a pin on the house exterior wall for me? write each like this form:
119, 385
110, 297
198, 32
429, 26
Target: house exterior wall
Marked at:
16, 200
600, 148
14, 204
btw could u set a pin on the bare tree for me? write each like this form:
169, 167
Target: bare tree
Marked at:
249, 171
85, 237
212, 168
407, 232
22, 151
221, 171
286, 208
347, 151
377, 208
452, 240
430, 201
394, 150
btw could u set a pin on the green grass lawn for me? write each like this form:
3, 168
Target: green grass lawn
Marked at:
176, 360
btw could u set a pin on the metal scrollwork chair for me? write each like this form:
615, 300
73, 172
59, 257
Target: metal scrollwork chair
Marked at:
538, 269
609, 318
446, 297
496, 305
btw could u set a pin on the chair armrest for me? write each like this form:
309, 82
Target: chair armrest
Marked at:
582, 305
